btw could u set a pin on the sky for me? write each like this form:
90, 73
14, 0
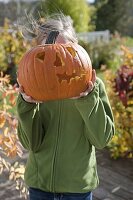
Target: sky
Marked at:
91, 1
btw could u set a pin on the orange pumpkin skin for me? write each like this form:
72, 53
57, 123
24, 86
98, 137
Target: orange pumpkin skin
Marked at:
55, 71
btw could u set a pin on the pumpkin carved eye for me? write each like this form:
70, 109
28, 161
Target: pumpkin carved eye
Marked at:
71, 51
41, 56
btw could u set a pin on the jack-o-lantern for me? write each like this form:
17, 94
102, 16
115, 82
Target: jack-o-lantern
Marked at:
55, 71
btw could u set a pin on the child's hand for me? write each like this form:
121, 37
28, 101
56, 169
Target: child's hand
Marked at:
90, 86
26, 97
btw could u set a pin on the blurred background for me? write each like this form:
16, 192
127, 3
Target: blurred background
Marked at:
105, 29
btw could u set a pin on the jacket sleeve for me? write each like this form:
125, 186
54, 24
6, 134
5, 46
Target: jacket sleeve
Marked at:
30, 129
96, 112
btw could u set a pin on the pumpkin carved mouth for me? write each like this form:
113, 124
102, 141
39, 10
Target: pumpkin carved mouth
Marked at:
68, 78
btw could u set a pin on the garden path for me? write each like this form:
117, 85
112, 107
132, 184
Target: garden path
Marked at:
116, 178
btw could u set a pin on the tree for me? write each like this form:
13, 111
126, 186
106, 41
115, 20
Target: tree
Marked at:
1, 13
14, 9
79, 11
115, 15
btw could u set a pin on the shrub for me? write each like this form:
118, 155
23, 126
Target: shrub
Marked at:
10, 147
128, 41
12, 48
103, 54
120, 91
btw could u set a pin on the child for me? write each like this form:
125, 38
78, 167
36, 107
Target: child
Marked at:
62, 136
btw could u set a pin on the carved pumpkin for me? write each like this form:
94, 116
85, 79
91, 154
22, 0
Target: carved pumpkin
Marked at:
55, 71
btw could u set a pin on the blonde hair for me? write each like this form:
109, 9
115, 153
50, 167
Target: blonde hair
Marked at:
34, 29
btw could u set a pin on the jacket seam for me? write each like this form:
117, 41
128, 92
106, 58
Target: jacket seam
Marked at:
52, 185
59, 137
36, 168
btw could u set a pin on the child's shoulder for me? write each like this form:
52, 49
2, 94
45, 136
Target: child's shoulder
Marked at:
100, 84
99, 81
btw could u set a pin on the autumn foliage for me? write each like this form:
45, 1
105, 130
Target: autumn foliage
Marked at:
12, 47
10, 147
124, 78
120, 90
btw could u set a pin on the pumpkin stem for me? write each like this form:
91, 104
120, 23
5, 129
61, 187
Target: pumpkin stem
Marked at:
52, 37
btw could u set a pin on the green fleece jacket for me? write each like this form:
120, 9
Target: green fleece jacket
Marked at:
61, 137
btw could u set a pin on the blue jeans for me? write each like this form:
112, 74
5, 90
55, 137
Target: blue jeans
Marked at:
36, 194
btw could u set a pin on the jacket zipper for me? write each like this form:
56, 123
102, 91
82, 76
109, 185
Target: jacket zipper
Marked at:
56, 150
